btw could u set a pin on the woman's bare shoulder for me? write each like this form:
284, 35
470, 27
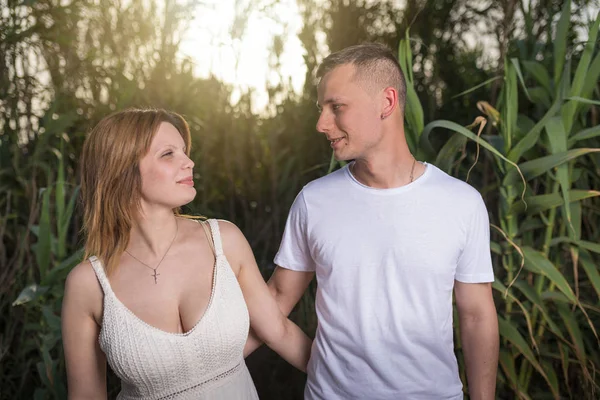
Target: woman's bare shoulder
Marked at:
83, 275
82, 287
230, 233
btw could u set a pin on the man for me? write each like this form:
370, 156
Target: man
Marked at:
389, 239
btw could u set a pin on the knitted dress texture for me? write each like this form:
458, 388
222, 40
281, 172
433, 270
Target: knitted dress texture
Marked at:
204, 363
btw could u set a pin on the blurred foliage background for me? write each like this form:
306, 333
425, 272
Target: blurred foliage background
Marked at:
492, 85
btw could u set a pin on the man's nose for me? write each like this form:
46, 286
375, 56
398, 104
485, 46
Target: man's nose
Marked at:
324, 123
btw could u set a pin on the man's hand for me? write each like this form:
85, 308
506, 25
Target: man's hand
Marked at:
479, 335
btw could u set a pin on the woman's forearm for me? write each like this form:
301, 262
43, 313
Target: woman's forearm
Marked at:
293, 345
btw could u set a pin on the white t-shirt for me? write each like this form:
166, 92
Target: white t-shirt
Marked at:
385, 262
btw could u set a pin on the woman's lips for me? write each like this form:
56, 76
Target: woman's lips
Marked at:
187, 181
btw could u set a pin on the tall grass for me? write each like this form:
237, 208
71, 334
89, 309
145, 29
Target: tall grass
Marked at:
544, 214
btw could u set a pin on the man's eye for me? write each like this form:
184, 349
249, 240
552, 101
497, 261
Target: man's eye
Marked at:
336, 107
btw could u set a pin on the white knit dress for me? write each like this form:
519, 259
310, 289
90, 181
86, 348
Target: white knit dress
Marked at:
204, 363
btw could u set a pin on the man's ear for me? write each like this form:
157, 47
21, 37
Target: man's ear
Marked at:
389, 101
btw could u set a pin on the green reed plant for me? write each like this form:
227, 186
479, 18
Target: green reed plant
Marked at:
40, 202
41, 301
545, 240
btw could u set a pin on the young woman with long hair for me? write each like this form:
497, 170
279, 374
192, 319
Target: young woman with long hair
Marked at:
166, 300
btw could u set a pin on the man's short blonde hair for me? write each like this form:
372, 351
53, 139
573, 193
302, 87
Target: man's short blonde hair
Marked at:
376, 67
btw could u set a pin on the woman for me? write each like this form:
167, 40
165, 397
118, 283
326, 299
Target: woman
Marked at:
167, 301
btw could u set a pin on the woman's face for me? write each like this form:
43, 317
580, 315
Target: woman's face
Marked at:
166, 171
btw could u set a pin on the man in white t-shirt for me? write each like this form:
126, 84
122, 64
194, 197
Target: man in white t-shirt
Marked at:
389, 239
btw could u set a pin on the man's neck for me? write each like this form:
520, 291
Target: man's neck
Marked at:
386, 170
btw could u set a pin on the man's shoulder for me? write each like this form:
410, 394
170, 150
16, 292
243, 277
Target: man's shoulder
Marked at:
330, 181
451, 187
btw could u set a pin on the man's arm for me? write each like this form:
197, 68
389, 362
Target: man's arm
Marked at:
287, 287
479, 335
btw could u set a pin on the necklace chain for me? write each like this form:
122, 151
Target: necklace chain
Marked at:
412, 169
155, 274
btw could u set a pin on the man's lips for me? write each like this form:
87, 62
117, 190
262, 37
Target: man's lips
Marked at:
334, 141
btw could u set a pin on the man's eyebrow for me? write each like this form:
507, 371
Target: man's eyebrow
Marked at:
328, 101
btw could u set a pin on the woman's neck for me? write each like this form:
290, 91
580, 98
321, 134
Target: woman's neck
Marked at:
153, 233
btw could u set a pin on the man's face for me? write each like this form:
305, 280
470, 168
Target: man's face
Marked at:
350, 117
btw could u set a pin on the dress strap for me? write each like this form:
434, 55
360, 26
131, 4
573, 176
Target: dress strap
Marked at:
208, 236
216, 234
100, 274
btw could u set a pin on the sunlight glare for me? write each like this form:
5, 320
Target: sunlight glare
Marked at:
243, 59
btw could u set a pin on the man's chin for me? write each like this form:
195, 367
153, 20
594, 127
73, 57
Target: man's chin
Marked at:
342, 157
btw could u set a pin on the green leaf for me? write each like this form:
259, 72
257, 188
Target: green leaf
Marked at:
540, 95
557, 137
66, 220
449, 152
531, 138
556, 297
572, 326
509, 332
30, 293
544, 202
585, 134
496, 248
413, 114
507, 363
474, 88
44, 240
536, 300
515, 63
564, 357
552, 379
497, 285
413, 111
576, 220
538, 263
582, 100
570, 108
560, 40
58, 273
594, 247
51, 318
591, 269
540, 74
539, 166
463, 131
510, 108
591, 78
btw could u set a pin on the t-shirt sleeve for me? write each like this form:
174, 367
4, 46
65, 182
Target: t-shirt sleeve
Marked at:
294, 252
475, 261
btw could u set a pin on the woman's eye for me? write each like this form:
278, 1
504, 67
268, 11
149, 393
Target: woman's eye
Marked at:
168, 153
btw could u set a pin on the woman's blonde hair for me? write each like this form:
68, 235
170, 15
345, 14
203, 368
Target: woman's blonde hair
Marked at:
110, 177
